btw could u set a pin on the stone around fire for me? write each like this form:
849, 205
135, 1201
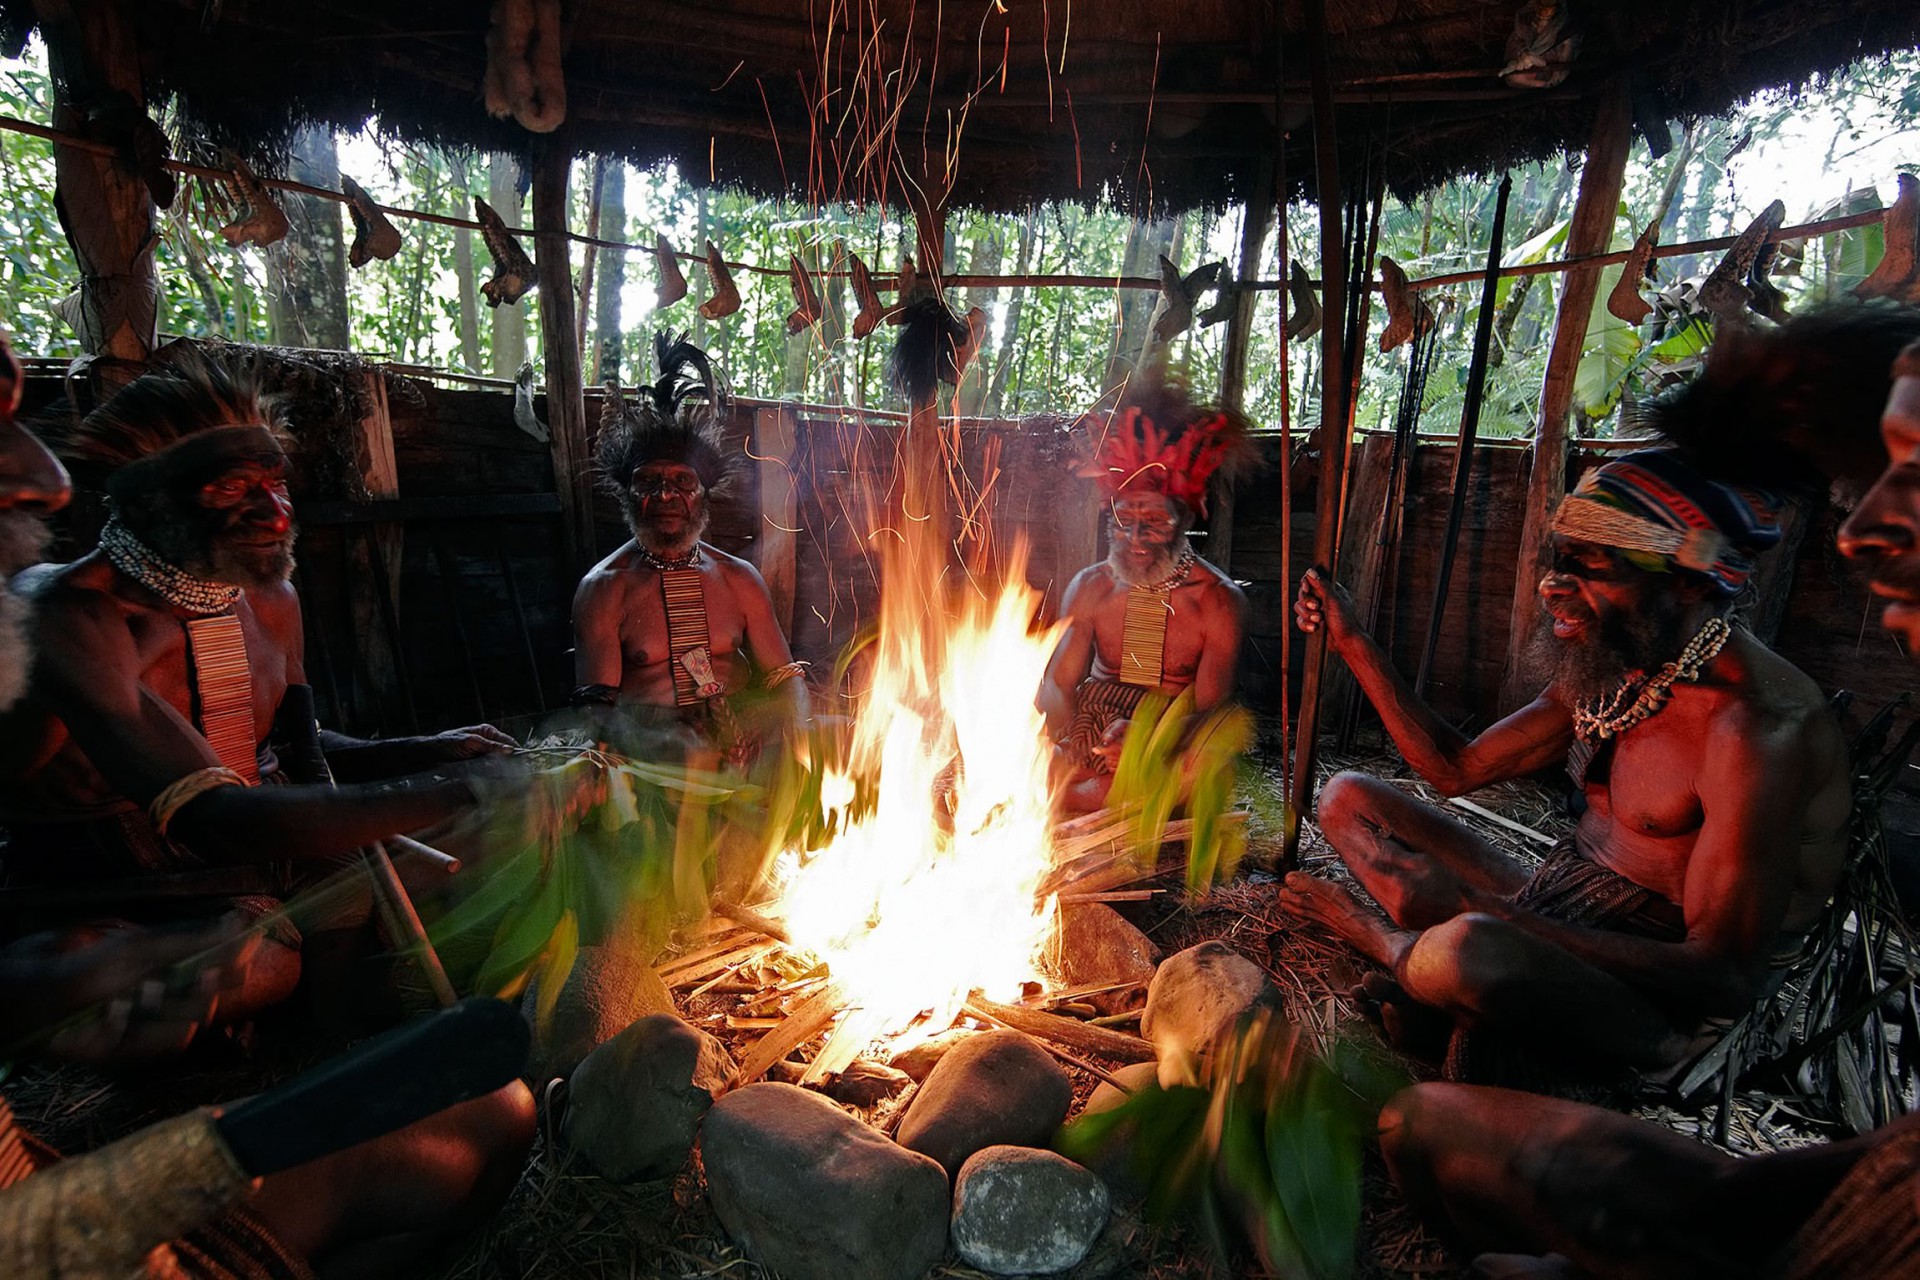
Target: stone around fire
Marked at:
609, 989
1097, 946
995, 1087
813, 1194
1195, 995
1017, 1211
634, 1105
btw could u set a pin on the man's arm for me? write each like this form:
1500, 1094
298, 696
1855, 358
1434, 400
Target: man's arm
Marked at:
597, 658
766, 642
1754, 788
1529, 740
1219, 668
1071, 660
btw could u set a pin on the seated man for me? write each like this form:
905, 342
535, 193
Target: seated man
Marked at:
175, 686
1153, 617
1714, 778
668, 628
369, 1210
1608, 1195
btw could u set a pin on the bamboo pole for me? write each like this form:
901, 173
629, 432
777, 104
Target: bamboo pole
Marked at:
1290, 814
1589, 235
1469, 432
1333, 433
566, 398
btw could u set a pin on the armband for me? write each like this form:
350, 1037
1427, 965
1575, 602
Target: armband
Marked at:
179, 794
594, 695
777, 676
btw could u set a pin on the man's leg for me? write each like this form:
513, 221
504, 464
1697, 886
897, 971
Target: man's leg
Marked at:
376, 1209
1412, 858
1519, 1173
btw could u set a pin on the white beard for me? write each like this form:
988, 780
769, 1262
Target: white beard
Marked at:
673, 548
1156, 570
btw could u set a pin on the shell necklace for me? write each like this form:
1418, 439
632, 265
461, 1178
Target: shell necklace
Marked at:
1598, 719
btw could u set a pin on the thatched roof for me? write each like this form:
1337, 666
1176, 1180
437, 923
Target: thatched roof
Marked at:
1169, 103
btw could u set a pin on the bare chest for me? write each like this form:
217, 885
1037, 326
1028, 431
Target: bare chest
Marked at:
1176, 619
645, 625
171, 657
1643, 815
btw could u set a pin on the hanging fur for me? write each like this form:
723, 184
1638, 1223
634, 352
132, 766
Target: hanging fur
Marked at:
524, 77
263, 223
1625, 302
1179, 293
1897, 275
906, 288
726, 295
676, 418
373, 236
513, 271
806, 312
1303, 305
673, 285
1724, 291
929, 349
868, 298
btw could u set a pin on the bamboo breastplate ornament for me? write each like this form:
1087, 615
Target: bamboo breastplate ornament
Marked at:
685, 595
1143, 634
223, 691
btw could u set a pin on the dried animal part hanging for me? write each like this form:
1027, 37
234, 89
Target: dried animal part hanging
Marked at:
263, 223
1179, 293
726, 296
524, 77
118, 119
807, 310
1764, 297
1224, 301
673, 285
1625, 302
1408, 315
907, 288
1724, 291
1542, 46
976, 334
1897, 275
373, 236
512, 269
868, 298
612, 404
523, 415
1303, 305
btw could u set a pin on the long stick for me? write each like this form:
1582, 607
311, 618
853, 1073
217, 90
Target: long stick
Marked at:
1333, 389
1469, 432
1067, 1031
1290, 819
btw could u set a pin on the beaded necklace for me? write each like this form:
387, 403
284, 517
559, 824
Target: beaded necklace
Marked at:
167, 580
1165, 586
1597, 719
686, 561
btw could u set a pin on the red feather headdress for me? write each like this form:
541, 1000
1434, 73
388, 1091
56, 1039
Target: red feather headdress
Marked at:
1177, 455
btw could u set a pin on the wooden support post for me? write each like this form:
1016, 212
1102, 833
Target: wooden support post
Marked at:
1233, 361
773, 445
105, 209
566, 398
373, 462
1333, 435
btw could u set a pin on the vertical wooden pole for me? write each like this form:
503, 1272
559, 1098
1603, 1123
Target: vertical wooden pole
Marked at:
1333, 435
1233, 361
1591, 232
104, 207
773, 444
566, 398
374, 463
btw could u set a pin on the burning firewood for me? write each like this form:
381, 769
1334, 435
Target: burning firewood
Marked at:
1625, 301
673, 285
807, 310
513, 271
263, 223
726, 296
373, 236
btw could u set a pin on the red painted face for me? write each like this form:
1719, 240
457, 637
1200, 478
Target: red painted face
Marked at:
1884, 530
667, 495
1585, 585
249, 504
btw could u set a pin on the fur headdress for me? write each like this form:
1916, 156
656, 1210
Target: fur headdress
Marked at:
677, 419
1159, 441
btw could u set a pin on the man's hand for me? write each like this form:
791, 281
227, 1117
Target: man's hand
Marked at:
1324, 603
122, 992
1112, 742
469, 743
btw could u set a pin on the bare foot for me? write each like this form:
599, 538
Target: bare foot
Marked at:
1404, 1022
1307, 900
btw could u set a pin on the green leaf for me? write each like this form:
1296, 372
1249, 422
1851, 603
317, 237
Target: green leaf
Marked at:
1314, 1152
555, 965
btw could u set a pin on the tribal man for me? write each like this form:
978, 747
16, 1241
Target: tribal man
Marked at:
1715, 787
1153, 617
175, 687
671, 629
1571, 1190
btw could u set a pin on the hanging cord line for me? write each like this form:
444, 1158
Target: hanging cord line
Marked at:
1845, 222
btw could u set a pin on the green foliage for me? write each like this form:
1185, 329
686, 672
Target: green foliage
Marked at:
1169, 756
1266, 1147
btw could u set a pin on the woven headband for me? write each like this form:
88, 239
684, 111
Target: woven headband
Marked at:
1585, 520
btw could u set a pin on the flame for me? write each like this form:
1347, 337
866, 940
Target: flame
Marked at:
934, 893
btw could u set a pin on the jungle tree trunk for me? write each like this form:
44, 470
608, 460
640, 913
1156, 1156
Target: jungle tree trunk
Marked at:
463, 267
1016, 304
509, 323
612, 273
308, 307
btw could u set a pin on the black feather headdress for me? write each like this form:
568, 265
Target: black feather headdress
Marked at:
676, 419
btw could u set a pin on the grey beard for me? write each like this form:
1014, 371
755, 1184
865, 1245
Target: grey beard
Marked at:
1601, 661
1157, 569
177, 537
16, 646
248, 567
673, 548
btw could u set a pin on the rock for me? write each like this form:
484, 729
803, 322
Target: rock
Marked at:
1135, 1076
1017, 1211
812, 1193
919, 1061
866, 1084
1098, 945
1113, 1162
994, 1087
610, 988
1195, 995
634, 1105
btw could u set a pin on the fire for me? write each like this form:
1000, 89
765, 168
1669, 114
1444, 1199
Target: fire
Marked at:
934, 894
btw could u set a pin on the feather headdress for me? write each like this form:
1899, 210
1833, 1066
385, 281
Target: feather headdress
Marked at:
677, 419
1161, 442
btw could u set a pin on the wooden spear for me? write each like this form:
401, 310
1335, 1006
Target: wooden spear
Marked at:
1333, 434
1469, 432
1290, 816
